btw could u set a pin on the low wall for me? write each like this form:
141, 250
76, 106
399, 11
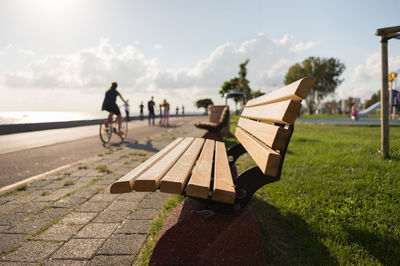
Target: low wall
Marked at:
28, 127
19, 128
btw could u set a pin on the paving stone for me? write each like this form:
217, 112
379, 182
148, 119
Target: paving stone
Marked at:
52, 213
134, 227
38, 184
4, 228
152, 203
59, 262
8, 207
33, 207
158, 195
123, 205
93, 206
25, 197
104, 197
68, 202
119, 244
61, 232
111, 216
111, 260
10, 240
12, 263
97, 230
84, 193
132, 196
32, 251
79, 249
12, 218
54, 195
144, 214
78, 218
28, 227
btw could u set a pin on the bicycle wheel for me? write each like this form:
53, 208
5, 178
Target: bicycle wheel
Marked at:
124, 129
105, 132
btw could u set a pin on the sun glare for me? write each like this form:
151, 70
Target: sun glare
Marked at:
56, 7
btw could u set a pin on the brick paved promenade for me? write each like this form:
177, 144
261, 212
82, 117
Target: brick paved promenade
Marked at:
70, 218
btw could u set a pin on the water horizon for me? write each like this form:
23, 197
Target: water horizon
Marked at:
28, 117
31, 117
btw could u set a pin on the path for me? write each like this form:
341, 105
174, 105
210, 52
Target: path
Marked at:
70, 218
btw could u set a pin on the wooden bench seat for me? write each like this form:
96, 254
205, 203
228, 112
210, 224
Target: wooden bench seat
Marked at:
205, 169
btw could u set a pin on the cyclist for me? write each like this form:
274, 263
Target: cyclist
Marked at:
109, 104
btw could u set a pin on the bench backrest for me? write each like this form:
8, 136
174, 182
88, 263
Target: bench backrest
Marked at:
263, 128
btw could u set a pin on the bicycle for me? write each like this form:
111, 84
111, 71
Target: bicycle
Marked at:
107, 129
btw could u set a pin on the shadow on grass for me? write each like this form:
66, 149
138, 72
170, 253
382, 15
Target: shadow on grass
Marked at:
287, 238
303, 140
383, 247
148, 146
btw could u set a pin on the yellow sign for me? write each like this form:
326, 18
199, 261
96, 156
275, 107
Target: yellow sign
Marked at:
392, 76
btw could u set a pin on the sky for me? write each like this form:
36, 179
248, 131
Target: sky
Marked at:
62, 55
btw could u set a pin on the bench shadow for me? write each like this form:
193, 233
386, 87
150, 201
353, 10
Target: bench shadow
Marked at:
303, 140
287, 238
148, 146
384, 248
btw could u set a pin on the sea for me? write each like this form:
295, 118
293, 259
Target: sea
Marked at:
7, 118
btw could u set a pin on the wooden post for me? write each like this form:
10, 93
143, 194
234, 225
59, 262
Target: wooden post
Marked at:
384, 99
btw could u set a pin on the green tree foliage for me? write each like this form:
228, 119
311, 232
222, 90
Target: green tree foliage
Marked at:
229, 86
326, 73
376, 97
203, 103
243, 83
257, 93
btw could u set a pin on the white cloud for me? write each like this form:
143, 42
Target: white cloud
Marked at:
92, 68
366, 78
10, 48
157, 46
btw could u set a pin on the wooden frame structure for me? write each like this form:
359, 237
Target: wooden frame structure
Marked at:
386, 34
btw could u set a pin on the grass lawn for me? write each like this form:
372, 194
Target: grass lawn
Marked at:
337, 202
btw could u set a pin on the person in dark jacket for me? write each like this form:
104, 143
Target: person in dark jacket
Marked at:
110, 105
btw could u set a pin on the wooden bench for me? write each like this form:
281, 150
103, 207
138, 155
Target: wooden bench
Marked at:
216, 129
204, 169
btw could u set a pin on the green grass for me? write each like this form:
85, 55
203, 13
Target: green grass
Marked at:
338, 201
155, 228
103, 169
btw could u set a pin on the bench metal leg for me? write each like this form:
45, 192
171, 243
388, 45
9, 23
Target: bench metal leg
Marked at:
249, 182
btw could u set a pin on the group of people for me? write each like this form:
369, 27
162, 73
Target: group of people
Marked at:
164, 112
109, 104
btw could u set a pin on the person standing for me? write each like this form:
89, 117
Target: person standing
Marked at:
165, 113
183, 110
141, 106
110, 105
126, 105
177, 111
150, 106
161, 114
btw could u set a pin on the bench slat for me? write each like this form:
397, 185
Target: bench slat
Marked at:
127, 182
274, 136
281, 112
199, 183
175, 180
266, 158
150, 179
224, 189
296, 91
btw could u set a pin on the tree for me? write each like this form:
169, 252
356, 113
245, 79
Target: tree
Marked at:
326, 73
376, 97
203, 103
243, 83
257, 93
229, 86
